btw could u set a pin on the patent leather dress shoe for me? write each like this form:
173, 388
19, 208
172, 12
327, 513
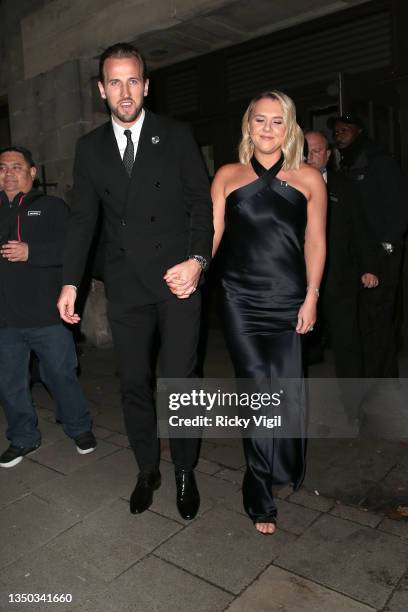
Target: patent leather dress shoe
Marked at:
188, 497
142, 496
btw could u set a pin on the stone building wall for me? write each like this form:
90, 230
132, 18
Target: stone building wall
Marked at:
49, 112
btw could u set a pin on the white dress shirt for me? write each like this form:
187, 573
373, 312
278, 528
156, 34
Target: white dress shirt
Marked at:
119, 132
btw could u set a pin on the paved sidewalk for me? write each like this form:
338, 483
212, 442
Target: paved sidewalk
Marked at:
65, 526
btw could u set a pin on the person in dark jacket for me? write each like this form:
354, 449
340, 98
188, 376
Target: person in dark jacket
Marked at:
378, 204
32, 231
350, 266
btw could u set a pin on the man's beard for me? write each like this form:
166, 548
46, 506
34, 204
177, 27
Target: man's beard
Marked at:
126, 118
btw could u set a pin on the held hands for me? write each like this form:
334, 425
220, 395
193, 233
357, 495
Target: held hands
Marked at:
182, 279
66, 304
14, 250
369, 281
307, 314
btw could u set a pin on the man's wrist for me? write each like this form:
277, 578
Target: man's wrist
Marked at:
72, 286
203, 263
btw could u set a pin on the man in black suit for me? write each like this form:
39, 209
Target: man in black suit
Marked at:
147, 173
377, 200
350, 271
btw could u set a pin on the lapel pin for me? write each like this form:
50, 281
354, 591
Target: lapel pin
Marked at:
155, 139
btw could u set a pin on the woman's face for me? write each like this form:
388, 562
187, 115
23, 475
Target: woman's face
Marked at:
266, 126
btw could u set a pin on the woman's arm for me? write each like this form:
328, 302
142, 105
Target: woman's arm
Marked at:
218, 198
314, 249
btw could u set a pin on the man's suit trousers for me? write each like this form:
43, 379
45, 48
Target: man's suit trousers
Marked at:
170, 330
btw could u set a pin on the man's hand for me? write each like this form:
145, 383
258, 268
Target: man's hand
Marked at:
369, 281
183, 278
66, 304
15, 250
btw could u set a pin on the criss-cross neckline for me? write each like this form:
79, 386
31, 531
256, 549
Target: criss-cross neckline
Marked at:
267, 173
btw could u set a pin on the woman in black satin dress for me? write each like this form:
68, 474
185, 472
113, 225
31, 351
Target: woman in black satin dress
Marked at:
271, 209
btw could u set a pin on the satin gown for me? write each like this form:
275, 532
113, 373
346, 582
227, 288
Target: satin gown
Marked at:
263, 283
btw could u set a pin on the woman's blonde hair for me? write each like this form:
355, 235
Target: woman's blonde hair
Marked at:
292, 148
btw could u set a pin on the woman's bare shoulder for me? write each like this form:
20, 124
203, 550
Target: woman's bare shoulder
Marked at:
228, 171
308, 173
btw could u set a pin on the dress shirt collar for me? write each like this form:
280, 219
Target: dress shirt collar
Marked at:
135, 128
323, 172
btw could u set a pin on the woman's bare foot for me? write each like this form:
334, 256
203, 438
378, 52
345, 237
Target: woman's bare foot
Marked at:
266, 528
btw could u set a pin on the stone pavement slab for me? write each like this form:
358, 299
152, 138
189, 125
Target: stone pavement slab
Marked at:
119, 440
29, 523
224, 548
354, 469
15, 483
399, 600
277, 590
110, 540
294, 518
110, 419
50, 431
95, 485
310, 499
152, 585
370, 519
234, 476
63, 456
41, 398
47, 571
230, 456
397, 527
207, 467
101, 433
364, 563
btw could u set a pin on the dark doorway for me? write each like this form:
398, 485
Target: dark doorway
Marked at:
4, 123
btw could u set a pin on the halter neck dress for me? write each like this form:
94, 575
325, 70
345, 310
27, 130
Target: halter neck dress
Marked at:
263, 286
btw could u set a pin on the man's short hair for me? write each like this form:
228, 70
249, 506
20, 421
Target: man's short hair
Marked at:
120, 50
321, 133
350, 118
28, 156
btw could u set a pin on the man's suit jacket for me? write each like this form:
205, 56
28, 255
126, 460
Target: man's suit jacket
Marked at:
151, 221
351, 252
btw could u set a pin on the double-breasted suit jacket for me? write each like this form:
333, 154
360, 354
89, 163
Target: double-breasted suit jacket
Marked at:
152, 220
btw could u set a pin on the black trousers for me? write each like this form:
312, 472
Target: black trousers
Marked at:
362, 324
170, 331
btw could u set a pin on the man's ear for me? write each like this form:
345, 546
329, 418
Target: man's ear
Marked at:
33, 172
146, 87
328, 155
102, 90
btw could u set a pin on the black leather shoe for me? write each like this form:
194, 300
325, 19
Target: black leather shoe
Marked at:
142, 496
188, 497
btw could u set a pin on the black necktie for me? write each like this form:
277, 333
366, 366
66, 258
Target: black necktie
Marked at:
129, 154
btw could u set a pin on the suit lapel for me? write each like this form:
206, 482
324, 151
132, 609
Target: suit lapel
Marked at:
114, 173
149, 154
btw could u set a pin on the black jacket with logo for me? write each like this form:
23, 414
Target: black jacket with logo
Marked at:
29, 290
378, 189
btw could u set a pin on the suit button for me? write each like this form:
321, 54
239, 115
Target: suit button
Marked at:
107, 191
152, 219
158, 246
123, 222
157, 184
